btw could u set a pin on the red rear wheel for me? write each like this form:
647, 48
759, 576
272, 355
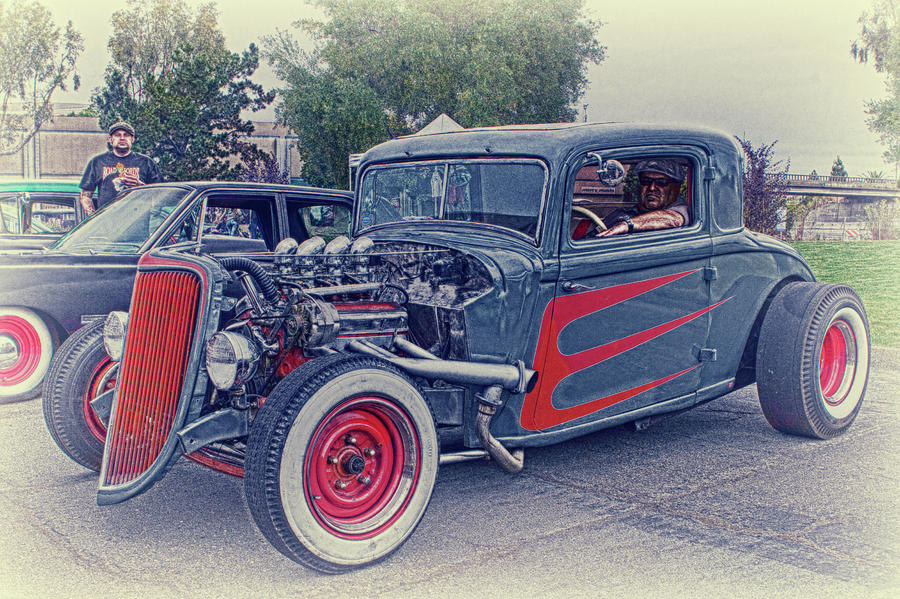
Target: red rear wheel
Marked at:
813, 359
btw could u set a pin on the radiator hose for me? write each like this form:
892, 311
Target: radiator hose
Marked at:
260, 276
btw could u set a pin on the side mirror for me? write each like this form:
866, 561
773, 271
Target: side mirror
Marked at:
610, 172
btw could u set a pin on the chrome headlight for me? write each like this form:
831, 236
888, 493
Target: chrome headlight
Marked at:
114, 330
231, 359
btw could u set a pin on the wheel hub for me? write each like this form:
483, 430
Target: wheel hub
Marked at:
354, 465
9, 351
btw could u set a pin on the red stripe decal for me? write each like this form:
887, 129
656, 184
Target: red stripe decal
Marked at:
538, 411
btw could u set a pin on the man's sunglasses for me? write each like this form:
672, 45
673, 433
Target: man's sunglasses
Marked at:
658, 181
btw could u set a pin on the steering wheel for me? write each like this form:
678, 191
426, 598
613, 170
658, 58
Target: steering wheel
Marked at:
591, 216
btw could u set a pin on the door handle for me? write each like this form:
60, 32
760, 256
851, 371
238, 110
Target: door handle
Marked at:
570, 287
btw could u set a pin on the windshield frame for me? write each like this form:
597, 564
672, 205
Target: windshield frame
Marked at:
188, 192
447, 163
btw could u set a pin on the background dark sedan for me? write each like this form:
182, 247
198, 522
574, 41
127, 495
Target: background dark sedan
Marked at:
46, 294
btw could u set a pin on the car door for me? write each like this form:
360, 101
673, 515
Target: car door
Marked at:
628, 325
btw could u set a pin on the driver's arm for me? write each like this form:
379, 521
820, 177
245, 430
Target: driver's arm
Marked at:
649, 221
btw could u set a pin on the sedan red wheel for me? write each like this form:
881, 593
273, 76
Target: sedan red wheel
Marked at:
26, 346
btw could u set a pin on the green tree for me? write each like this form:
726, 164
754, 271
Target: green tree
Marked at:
146, 36
402, 63
879, 44
873, 174
882, 217
185, 104
837, 168
36, 59
764, 184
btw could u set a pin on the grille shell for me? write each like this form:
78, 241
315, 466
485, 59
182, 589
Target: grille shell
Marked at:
159, 373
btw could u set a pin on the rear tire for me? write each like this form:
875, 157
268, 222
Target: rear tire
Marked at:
26, 347
813, 359
341, 462
80, 371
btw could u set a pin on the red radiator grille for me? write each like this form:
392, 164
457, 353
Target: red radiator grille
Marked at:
160, 327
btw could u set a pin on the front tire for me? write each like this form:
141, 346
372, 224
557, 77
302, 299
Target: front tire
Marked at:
813, 359
341, 462
80, 371
26, 347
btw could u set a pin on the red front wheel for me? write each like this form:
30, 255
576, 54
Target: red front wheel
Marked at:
341, 462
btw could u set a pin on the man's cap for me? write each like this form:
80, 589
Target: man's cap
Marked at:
669, 168
123, 126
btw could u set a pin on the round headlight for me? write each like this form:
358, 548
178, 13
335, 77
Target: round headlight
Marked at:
114, 330
231, 359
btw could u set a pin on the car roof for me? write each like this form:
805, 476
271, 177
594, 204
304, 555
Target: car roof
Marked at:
252, 185
65, 185
550, 141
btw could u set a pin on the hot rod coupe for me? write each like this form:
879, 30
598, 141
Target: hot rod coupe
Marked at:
45, 295
475, 310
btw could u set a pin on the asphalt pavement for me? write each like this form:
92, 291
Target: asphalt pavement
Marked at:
709, 503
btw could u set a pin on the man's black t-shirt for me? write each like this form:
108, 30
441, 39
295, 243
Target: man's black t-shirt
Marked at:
106, 170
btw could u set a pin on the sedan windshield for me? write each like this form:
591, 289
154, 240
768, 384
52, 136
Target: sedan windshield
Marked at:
124, 225
501, 192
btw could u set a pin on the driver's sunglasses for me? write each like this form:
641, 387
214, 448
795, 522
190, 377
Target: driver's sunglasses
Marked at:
658, 181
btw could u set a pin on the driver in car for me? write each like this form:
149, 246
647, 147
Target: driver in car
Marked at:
659, 206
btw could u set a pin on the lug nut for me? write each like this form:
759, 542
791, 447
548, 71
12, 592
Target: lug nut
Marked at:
364, 479
351, 440
332, 459
339, 484
369, 452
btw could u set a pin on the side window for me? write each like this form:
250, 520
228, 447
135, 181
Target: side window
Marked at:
234, 222
655, 194
51, 215
325, 220
9, 214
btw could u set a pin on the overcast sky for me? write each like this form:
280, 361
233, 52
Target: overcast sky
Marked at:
777, 70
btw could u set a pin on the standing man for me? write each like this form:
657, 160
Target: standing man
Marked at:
116, 170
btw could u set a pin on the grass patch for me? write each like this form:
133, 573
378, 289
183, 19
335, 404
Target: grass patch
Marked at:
872, 268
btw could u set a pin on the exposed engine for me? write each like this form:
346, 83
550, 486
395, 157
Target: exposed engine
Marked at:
314, 298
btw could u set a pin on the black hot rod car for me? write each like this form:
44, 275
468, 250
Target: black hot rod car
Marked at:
475, 311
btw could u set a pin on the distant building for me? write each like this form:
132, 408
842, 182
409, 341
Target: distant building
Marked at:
63, 146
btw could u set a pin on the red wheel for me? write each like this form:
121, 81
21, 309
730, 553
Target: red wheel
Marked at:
813, 359
341, 461
26, 346
356, 466
102, 380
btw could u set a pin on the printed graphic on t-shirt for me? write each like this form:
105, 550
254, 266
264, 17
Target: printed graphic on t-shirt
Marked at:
120, 170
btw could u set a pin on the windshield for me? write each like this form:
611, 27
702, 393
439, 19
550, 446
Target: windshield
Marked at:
503, 193
124, 225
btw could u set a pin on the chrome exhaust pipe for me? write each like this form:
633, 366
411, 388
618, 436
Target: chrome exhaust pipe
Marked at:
494, 377
487, 407
515, 378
